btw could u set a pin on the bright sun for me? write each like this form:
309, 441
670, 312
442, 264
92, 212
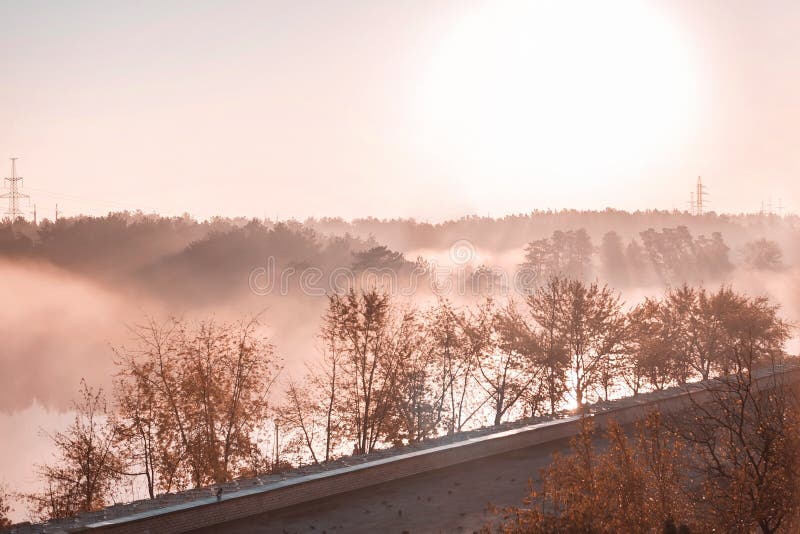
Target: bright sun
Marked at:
570, 89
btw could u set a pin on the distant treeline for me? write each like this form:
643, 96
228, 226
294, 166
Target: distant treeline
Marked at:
180, 257
176, 257
670, 256
514, 231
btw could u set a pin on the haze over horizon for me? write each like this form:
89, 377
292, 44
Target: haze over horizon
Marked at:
429, 110
288, 233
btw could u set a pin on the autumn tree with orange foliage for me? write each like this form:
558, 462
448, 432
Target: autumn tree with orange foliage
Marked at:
744, 445
729, 463
190, 403
191, 399
583, 327
5, 507
631, 486
86, 467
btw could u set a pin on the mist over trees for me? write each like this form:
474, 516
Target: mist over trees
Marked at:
179, 259
670, 256
762, 254
564, 253
186, 260
515, 231
195, 404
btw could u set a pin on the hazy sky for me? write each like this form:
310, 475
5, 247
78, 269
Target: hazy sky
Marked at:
426, 108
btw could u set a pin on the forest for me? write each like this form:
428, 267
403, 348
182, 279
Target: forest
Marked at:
668, 246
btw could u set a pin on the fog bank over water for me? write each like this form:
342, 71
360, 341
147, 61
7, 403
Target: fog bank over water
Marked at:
66, 310
56, 329
25, 444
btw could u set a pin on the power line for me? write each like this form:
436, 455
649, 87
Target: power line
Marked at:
94, 203
103, 204
697, 198
14, 195
700, 196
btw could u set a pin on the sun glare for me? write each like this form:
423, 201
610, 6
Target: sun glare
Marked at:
564, 88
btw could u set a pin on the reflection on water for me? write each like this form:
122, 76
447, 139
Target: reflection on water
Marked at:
24, 444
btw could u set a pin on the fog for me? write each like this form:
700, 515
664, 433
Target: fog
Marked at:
57, 327
67, 306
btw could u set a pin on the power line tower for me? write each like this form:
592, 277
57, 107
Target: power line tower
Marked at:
14, 195
699, 197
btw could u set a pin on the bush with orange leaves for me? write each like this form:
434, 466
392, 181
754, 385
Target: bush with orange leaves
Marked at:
628, 487
730, 463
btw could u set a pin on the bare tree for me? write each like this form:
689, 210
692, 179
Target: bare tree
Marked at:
367, 335
505, 359
328, 383
520, 348
139, 431
455, 358
148, 395
745, 444
420, 393
326, 380
86, 468
546, 308
591, 325
301, 412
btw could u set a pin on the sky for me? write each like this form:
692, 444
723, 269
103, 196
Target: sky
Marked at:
429, 109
